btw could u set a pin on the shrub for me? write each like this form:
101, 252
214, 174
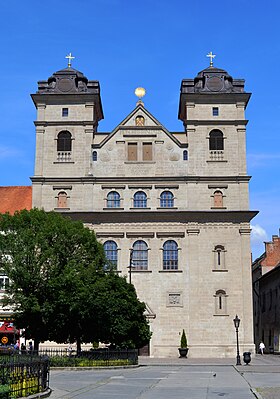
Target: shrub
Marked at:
184, 342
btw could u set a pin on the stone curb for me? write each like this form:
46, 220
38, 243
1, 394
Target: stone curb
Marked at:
132, 366
39, 395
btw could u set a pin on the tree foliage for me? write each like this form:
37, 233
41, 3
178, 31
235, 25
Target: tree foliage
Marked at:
59, 289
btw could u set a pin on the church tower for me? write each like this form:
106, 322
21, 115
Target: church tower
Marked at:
68, 111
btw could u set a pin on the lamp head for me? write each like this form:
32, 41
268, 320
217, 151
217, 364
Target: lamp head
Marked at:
236, 321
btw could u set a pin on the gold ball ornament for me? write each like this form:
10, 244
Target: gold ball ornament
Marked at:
140, 92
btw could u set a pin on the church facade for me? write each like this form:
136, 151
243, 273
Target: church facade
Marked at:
171, 209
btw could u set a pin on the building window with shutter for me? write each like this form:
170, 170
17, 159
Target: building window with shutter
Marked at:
218, 199
132, 152
62, 200
147, 152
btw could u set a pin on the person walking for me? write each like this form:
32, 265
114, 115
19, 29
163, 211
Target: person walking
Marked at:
261, 347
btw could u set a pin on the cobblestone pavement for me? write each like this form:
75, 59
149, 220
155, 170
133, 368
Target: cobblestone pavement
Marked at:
269, 393
262, 374
173, 378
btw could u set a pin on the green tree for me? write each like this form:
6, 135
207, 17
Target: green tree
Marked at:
115, 302
59, 289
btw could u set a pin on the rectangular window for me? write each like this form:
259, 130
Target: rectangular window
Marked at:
215, 111
132, 152
147, 152
64, 111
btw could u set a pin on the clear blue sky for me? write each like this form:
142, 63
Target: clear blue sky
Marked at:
149, 43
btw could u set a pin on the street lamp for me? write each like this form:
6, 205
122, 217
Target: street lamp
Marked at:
236, 322
130, 264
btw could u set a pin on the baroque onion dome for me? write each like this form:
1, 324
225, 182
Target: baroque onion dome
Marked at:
70, 86
211, 85
213, 80
68, 81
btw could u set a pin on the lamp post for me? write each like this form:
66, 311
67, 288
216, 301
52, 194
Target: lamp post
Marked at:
236, 322
130, 264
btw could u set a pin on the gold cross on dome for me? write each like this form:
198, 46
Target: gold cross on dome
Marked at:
211, 56
70, 58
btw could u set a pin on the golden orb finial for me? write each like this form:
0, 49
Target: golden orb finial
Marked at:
140, 92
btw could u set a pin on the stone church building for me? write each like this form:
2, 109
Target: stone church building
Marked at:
171, 208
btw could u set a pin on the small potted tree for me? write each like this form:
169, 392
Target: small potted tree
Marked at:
183, 350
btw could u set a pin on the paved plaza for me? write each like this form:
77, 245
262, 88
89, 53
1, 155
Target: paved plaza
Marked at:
173, 378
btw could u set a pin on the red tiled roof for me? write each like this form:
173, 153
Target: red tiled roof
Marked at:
15, 198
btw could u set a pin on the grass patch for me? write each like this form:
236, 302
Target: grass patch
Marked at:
58, 361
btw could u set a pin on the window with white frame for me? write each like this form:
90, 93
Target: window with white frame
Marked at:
113, 199
170, 255
111, 253
166, 199
140, 200
139, 255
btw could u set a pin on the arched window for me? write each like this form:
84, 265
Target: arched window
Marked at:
166, 199
218, 199
140, 200
170, 255
185, 155
113, 199
220, 302
219, 257
111, 253
216, 141
62, 200
64, 141
140, 255
94, 156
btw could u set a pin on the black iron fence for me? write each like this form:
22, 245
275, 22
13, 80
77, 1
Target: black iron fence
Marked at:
22, 375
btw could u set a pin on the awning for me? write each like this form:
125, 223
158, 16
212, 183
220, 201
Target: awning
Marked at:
7, 327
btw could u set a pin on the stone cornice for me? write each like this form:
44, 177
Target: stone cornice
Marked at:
164, 216
141, 179
64, 123
211, 122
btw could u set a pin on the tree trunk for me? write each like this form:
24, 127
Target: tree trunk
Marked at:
78, 345
36, 346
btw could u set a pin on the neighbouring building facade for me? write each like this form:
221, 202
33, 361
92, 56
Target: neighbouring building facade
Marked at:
13, 198
171, 208
266, 294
